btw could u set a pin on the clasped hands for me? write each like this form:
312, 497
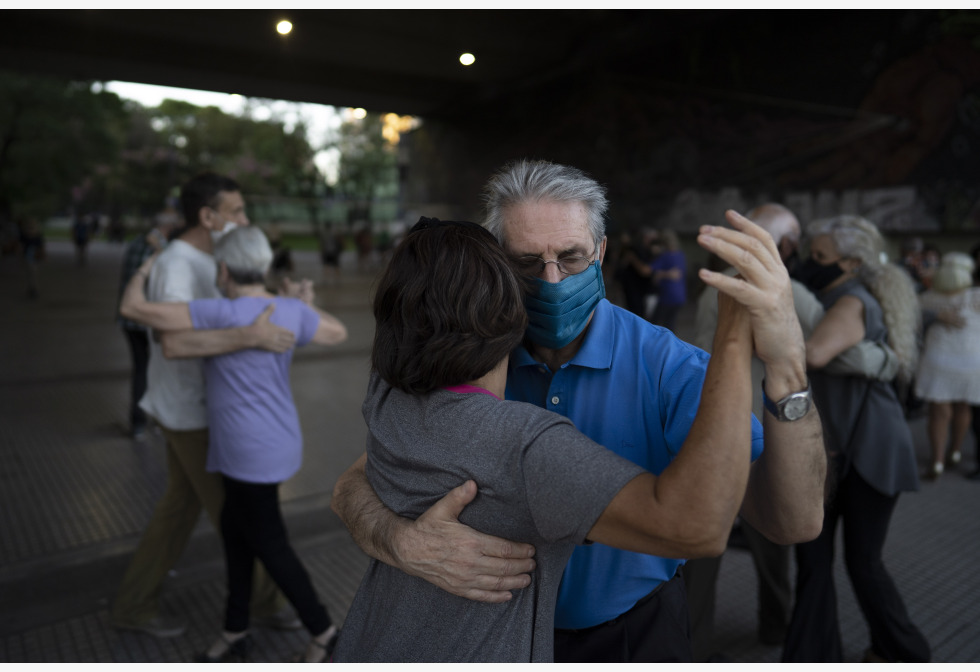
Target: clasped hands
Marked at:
763, 288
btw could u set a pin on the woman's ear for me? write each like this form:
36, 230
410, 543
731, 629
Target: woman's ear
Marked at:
222, 273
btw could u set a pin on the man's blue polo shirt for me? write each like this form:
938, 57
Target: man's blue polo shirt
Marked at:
634, 388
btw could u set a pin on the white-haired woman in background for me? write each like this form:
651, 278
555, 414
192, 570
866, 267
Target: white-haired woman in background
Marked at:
948, 376
870, 448
255, 438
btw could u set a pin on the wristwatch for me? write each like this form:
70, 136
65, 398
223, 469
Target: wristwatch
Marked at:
791, 407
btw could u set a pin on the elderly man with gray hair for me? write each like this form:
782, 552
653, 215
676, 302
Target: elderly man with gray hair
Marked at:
632, 387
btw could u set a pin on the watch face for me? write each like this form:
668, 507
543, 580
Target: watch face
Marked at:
796, 407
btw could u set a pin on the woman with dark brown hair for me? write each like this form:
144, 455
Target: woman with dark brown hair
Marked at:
449, 309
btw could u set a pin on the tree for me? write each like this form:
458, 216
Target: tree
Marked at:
72, 144
368, 165
167, 145
53, 134
261, 155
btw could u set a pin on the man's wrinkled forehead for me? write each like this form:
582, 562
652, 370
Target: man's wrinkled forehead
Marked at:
545, 218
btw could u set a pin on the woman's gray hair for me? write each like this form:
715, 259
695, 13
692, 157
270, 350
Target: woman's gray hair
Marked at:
525, 181
247, 254
857, 238
955, 272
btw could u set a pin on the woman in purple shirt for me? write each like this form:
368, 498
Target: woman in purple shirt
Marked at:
669, 273
255, 437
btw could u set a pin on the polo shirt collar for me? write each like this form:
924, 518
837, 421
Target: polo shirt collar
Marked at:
596, 350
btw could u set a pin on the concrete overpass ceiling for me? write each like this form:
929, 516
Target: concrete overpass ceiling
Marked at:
404, 61
392, 60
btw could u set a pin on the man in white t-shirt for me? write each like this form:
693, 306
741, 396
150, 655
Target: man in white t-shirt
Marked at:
175, 398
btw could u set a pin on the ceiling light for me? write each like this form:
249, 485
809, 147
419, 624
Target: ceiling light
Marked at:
284, 27
467, 59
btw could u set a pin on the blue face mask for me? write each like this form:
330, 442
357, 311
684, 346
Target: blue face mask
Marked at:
557, 312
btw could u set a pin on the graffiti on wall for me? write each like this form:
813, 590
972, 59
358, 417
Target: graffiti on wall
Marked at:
895, 209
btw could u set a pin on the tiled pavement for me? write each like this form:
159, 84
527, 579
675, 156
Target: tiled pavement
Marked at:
75, 492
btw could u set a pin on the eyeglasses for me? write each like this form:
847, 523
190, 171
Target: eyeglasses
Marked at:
567, 265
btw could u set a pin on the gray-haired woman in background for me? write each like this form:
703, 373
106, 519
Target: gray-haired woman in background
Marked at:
871, 452
255, 438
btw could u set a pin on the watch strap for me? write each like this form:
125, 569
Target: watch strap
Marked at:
775, 407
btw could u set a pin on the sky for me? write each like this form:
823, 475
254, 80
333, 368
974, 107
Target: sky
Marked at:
321, 120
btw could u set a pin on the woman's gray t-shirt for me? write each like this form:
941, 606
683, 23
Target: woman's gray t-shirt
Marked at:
539, 481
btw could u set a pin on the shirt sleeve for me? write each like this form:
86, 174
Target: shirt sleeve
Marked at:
173, 281
682, 398
757, 441
309, 322
570, 480
210, 313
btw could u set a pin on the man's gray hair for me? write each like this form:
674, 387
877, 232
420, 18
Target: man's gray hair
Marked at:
525, 181
778, 221
246, 253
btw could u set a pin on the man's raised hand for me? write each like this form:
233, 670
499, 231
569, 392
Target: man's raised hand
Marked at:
762, 286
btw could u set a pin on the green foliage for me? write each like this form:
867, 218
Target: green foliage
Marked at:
183, 140
68, 145
368, 165
53, 135
261, 155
